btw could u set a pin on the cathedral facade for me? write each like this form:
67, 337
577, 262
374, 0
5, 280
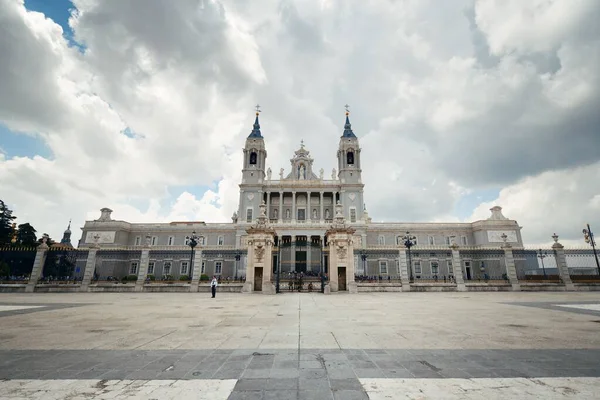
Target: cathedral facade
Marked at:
300, 207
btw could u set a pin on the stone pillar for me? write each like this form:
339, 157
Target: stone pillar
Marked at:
280, 212
293, 206
321, 216
260, 254
404, 269
457, 268
308, 253
293, 252
143, 269
196, 269
511, 270
38, 267
308, 215
90, 268
269, 205
341, 253
561, 264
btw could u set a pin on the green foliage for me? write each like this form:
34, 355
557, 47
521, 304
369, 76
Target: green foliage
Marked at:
204, 277
4, 269
168, 277
132, 278
26, 235
6, 220
151, 277
184, 278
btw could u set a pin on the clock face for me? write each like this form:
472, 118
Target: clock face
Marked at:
103, 237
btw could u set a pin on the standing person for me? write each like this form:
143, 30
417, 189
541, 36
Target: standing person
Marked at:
213, 286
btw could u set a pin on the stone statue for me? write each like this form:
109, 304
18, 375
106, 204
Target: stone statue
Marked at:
333, 174
314, 213
281, 174
301, 174
287, 213
269, 174
234, 218
275, 213
321, 172
327, 215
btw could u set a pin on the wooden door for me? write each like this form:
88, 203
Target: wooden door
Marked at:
342, 278
258, 278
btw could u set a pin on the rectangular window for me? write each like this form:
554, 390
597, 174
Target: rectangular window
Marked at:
184, 268
301, 214
448, 240
435, 268
202, 241
383, 267
151, 268
218, 267
133, 269
463, 240
171, 240
467, 263
249, 212
138, 240
167, 268
381, 240
203, 269
352, 214
417, 265
154, 240
431, 240
220, 241
450, 269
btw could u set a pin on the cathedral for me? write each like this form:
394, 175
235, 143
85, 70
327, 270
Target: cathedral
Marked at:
299, 209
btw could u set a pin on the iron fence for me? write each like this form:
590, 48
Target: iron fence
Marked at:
16, 264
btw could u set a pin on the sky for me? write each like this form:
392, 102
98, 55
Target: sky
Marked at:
143, 106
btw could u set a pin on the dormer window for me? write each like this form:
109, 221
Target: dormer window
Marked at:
253, 158
350, 158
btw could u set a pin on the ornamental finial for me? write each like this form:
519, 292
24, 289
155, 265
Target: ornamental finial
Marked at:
347, 109
258, 110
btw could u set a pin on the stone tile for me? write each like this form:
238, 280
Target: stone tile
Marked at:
315, 395
250, 384
310, 364
397, 373
284, 373
256, 373
246, 395
350, 395
312, 373
345, 384
280, 395
341, 373
313, 384
282, 384
369, 373
228, 374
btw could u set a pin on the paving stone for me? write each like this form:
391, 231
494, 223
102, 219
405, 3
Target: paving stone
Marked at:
284, 373
313, 384
350, 395
345, 384
312, 373
280, 395
282, 384
315, 394
246, 395
250, 384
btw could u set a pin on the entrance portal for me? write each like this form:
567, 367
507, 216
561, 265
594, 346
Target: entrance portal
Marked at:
468, 269
341, 278
258, 278
300, 261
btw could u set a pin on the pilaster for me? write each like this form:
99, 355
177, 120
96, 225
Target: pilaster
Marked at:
561, 265
457, 268
196, 270
143, 269
511, 269
90, 268
38, 267
404, 272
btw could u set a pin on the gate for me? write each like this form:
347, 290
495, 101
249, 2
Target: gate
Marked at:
59, 265
300, 266
16, 264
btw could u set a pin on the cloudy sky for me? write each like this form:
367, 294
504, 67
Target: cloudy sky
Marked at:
143, 106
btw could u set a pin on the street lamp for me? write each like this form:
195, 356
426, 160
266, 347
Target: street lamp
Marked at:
541, 255
409, 241
588, 236
238, 255
363, 256
192, 241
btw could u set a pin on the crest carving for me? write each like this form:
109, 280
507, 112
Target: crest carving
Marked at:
259, 251
341, 251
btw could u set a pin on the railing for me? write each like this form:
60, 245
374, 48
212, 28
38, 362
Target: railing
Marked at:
377, 279
585, 278
433, 279
540, 278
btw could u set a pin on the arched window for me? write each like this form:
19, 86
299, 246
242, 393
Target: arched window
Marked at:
350, 158
253, 158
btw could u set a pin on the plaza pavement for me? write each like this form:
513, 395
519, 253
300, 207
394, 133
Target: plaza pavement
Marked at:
300, 346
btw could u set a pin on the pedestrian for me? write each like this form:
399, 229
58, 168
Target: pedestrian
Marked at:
213, 286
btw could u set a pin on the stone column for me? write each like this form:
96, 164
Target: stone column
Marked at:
308, 211
196, 269
260, 253
404, 271
143, 269
38, 267
293, 206
341, 252
308, 251
269, 204
321, 217
457, 269
511, 270
561, 264
90, 268
280, 212
293, 252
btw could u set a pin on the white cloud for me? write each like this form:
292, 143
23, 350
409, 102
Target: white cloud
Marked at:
446, 97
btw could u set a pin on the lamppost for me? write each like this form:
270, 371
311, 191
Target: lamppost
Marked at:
588, 235
541, 255
409, 241
192, 241
238, 255
363, 257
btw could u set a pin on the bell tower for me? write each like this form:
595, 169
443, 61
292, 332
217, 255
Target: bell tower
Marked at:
349, 167
253, 174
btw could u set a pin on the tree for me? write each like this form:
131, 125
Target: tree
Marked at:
26, 236
6, 221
